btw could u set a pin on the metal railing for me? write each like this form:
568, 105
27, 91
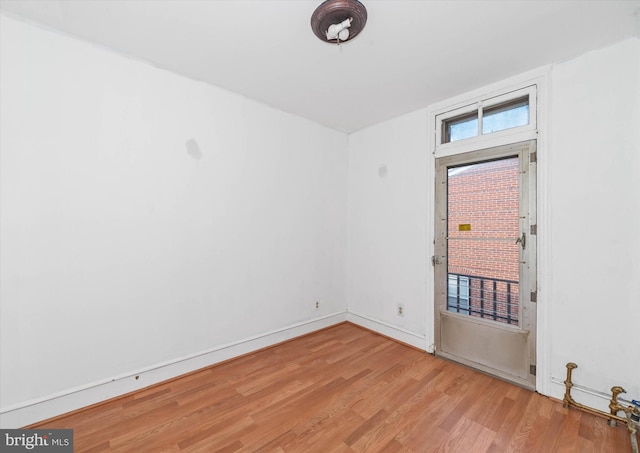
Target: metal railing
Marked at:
484, 297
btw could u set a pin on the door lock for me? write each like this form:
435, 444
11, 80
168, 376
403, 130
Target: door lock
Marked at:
522, 240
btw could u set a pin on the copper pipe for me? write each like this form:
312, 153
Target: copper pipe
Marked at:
614, 406
567, 400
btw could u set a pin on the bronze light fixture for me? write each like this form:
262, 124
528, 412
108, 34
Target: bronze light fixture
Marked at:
336, 21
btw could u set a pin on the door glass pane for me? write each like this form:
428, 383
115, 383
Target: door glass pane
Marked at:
505, 116
483, 225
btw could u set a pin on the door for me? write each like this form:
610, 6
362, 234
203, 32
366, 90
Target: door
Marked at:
485, 268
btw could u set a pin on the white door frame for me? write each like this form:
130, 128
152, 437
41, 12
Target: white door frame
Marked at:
541, 79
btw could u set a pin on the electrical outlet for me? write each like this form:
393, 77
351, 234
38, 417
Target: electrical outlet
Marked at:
400, 310
317, 305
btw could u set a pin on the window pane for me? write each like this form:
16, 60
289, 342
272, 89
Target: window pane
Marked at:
461, 127
458, 294
464, 129
505, 116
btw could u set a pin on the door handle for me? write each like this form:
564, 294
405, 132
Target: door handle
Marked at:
522, 240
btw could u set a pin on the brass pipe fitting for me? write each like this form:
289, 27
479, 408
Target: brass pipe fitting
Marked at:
614, 406
568, 401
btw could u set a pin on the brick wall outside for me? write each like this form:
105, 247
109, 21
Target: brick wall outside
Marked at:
485, 196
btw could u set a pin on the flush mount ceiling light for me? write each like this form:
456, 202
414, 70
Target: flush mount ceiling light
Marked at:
337, 21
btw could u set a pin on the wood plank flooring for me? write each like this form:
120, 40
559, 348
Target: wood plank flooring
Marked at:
343, 389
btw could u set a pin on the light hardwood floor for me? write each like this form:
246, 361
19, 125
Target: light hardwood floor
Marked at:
342, 389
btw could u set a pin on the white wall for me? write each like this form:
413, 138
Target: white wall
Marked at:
589, 266
388, 198
594, 171
147, 218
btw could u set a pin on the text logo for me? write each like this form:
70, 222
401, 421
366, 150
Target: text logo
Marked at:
36, 440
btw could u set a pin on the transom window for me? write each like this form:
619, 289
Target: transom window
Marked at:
488, 120
513, 111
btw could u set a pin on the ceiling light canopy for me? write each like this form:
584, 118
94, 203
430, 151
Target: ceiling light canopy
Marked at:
337, 21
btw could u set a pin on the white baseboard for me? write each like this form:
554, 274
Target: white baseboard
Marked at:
33, 411
389, 330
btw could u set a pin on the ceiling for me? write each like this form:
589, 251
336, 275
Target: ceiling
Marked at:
410, 54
